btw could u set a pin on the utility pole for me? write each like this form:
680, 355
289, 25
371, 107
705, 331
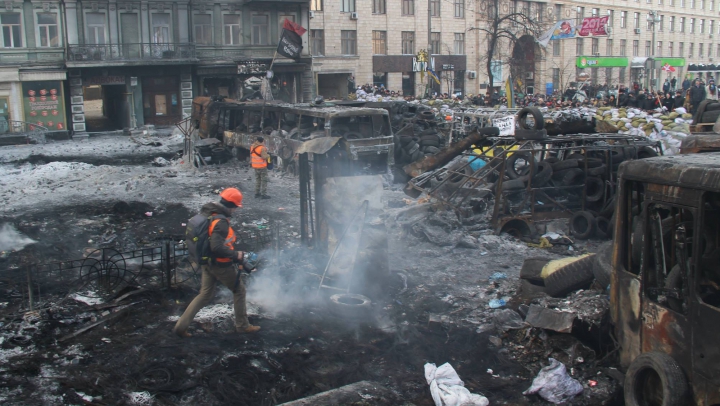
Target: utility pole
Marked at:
429, 47
653, 18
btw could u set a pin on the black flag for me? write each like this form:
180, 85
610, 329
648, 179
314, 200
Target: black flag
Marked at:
290, 44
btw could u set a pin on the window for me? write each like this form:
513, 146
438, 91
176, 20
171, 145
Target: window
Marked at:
670, 48
161, 28
636, 20
435, 43
660, 2
701, 52
460, 9
658, 48
379, 7
681, 49
11, 30
636, 48
608, 47
347, 6
556, 47
317, 42
260, 27
692, 3
558, 12
682, 3
231, 29
608, 75
379, 42
702, 26
711, 27
611, 17
459, 43
648, 45
623, 19
682, 24
692, 26
408, 7
709, 50
96, 28
316, 5
661, 24
556, 78
203, 28
48, 29
435, 8
648, 24
408, 42
579, 46
595, 12
348, 42
702, 4
623, 47
539, 11
621, 75
580, 15
712, 5
595, 46
691, 50
672, 23
717, 52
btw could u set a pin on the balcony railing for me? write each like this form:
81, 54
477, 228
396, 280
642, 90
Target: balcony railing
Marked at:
131, 52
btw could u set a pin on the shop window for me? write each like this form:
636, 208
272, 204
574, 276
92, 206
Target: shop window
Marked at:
203, 29
317, 42
95, 23
260, 29
379, 41
161, 28
11, 30
348, 42
48, 29
408, 42
231, 29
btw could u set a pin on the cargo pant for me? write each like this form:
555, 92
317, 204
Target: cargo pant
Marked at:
210, 275
261, 175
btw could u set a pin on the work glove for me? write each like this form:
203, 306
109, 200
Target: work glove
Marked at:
250, 261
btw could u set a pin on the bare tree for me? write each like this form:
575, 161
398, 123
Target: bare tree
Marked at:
566, 74
503, 28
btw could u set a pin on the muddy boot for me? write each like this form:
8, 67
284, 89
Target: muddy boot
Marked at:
250, 329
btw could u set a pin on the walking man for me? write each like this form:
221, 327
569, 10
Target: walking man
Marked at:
259, 160
697, 95
219, 266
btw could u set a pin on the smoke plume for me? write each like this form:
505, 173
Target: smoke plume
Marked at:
13, 240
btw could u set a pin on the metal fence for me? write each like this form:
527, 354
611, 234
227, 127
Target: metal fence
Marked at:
130, 52
32, 132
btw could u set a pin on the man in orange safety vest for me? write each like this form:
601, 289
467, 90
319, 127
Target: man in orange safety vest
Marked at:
259, 159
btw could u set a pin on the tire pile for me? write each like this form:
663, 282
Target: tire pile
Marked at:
419, 136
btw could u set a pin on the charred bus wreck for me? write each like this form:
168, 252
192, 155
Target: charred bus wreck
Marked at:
286, 127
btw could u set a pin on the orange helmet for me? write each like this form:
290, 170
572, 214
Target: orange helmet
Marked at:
232, 195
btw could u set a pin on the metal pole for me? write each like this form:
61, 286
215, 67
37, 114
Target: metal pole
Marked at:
652, 52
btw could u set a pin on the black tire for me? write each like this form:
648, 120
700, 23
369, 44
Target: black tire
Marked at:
405, 139
411, 148
597, 171
530, 290
536, 115
513, 184
349, 306
430, 143
431, 150
571, 277
576, 156
602, 267
573, 177
710, 116
551, 160
647, 152
510, 168
566, 164
522, 135
712, 107
353, 135
532, 268
609, 208
655, 378
582, 225
543, 173
594, 189
602, 227
701, 110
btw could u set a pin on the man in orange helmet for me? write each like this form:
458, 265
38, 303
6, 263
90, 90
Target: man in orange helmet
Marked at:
220, 264
259, 160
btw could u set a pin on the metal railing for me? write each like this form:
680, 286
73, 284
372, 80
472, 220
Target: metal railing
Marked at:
131, 52
32, 132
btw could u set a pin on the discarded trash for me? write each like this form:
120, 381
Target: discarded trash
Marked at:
592, 383
552, 236
544, 243
447, 389
148, 213
498, 275
482, 254
140, 398
550, 319
553, 383
495, 303
160, 161
508, 319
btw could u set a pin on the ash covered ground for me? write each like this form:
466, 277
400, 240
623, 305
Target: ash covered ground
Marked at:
62, 200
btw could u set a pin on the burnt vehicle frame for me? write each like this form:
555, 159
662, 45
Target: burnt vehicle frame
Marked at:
463, 189
238, 124
664, 292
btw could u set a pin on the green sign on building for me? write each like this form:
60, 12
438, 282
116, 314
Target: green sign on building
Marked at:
601, 62
672, 61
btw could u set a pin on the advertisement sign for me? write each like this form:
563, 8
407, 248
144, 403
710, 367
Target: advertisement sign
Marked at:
561, 30
601, 62
593, 26
496, 68
549, 88
671, 61
44, 104
104, 80
505, 124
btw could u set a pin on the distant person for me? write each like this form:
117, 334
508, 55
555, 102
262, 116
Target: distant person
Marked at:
679, 99
666, 86
259, 160
697, 95
673, 84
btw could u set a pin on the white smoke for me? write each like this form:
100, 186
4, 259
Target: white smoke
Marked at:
13, 240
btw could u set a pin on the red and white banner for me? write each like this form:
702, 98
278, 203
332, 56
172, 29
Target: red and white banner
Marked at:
593, 26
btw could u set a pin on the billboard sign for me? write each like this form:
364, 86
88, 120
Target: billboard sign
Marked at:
44, 104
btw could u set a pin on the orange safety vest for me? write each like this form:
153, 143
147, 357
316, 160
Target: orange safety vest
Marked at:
257, 160
229, 241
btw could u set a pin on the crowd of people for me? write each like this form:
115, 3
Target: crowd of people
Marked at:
687, 94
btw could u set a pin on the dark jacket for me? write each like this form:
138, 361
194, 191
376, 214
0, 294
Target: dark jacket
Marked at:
622, 100
686, 84
666, 87
221, 230
697, 94
678, 101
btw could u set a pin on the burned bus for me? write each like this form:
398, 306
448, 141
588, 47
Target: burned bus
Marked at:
285, 127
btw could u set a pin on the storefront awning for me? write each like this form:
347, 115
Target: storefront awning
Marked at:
638, 62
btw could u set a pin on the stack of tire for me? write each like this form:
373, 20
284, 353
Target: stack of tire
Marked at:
426, 140
407, 150
707, 112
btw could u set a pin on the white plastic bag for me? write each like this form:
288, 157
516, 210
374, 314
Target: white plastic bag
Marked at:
680, 110
554, 384
447, 389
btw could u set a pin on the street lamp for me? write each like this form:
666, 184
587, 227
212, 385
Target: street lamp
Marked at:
653, 18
